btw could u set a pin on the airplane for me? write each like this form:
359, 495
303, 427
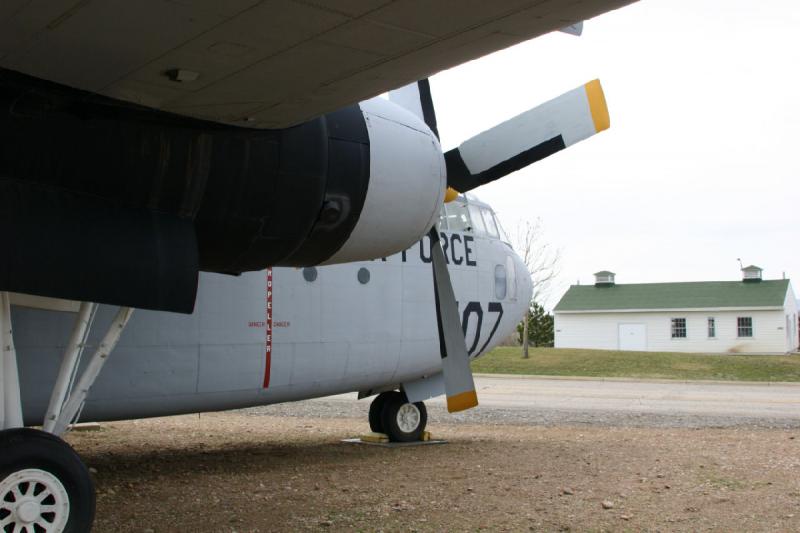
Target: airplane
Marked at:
279, 335
153, 153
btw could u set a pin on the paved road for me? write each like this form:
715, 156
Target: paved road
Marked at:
662, 397
542, 401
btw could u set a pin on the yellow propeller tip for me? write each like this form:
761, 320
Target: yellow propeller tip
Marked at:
597, 105
450, 194
462, 401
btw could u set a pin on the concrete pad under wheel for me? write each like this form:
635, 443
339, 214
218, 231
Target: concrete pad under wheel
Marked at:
86, 426
394, 444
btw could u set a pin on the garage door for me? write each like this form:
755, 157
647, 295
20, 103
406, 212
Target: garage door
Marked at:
632, 337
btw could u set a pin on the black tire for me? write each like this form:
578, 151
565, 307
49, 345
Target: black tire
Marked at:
391, 424
25, 448
376, 408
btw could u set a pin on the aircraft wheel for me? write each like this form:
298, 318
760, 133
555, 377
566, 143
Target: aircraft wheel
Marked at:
376, 408
403, 421
44, 485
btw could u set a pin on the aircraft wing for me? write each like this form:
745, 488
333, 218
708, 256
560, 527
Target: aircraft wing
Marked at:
263, 63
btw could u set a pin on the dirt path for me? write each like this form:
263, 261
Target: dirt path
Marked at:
239, 472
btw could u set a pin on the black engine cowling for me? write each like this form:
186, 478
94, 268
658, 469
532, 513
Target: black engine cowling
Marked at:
108, 202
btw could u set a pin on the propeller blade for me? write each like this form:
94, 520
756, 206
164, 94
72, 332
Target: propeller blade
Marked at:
416, 97
458, 383
508, 147
528, 137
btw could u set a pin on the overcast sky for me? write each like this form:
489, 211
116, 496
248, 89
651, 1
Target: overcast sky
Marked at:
702, 161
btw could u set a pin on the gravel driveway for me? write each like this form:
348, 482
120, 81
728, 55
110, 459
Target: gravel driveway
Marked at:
598, 402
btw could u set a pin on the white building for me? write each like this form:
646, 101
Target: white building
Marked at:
748, 316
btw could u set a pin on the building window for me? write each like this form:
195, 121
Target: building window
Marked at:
678, 328
744, 326
712, 327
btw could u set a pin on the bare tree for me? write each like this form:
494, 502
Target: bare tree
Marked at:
543, 263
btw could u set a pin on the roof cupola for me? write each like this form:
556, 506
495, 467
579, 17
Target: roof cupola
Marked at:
751, 273
604, 278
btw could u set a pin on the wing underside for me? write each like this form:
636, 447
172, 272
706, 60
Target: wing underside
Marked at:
263, 63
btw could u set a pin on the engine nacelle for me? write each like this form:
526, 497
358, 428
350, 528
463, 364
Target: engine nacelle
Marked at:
109, 202
361, 183
406, 184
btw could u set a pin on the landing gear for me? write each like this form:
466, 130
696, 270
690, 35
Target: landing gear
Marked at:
392, 414
376, 409
44, 485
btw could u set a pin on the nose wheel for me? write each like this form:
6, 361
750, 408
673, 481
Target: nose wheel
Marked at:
44, 486
392, 414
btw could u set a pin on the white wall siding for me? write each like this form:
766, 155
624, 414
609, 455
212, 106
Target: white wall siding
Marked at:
601, 331
597, 331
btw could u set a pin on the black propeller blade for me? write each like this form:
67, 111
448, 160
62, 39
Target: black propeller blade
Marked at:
458, 383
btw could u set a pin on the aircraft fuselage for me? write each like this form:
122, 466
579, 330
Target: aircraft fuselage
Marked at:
285, 334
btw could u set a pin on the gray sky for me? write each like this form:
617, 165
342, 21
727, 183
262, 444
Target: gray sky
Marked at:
702, 161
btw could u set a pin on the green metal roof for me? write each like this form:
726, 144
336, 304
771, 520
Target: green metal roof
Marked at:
689, 295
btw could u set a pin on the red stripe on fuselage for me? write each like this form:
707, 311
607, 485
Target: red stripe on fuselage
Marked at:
268, 321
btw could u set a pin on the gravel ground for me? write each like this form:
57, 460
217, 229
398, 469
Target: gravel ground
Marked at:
483, 415
283, 468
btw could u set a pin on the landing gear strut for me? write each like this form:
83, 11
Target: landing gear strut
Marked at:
392, 414
44, 485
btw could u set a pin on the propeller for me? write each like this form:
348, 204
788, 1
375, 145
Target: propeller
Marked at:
458, 383
529, 137
497, 152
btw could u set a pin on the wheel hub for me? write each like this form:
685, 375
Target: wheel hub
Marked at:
33, 497
408, 417
29, 511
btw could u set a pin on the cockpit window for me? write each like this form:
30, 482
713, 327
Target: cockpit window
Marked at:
512, 278
503, 234
500, 282
477, 220
457, 217
488, 220
443, 218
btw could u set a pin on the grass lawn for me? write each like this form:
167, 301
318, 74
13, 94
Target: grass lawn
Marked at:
606, 363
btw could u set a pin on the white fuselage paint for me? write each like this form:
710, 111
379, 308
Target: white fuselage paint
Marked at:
329, 336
